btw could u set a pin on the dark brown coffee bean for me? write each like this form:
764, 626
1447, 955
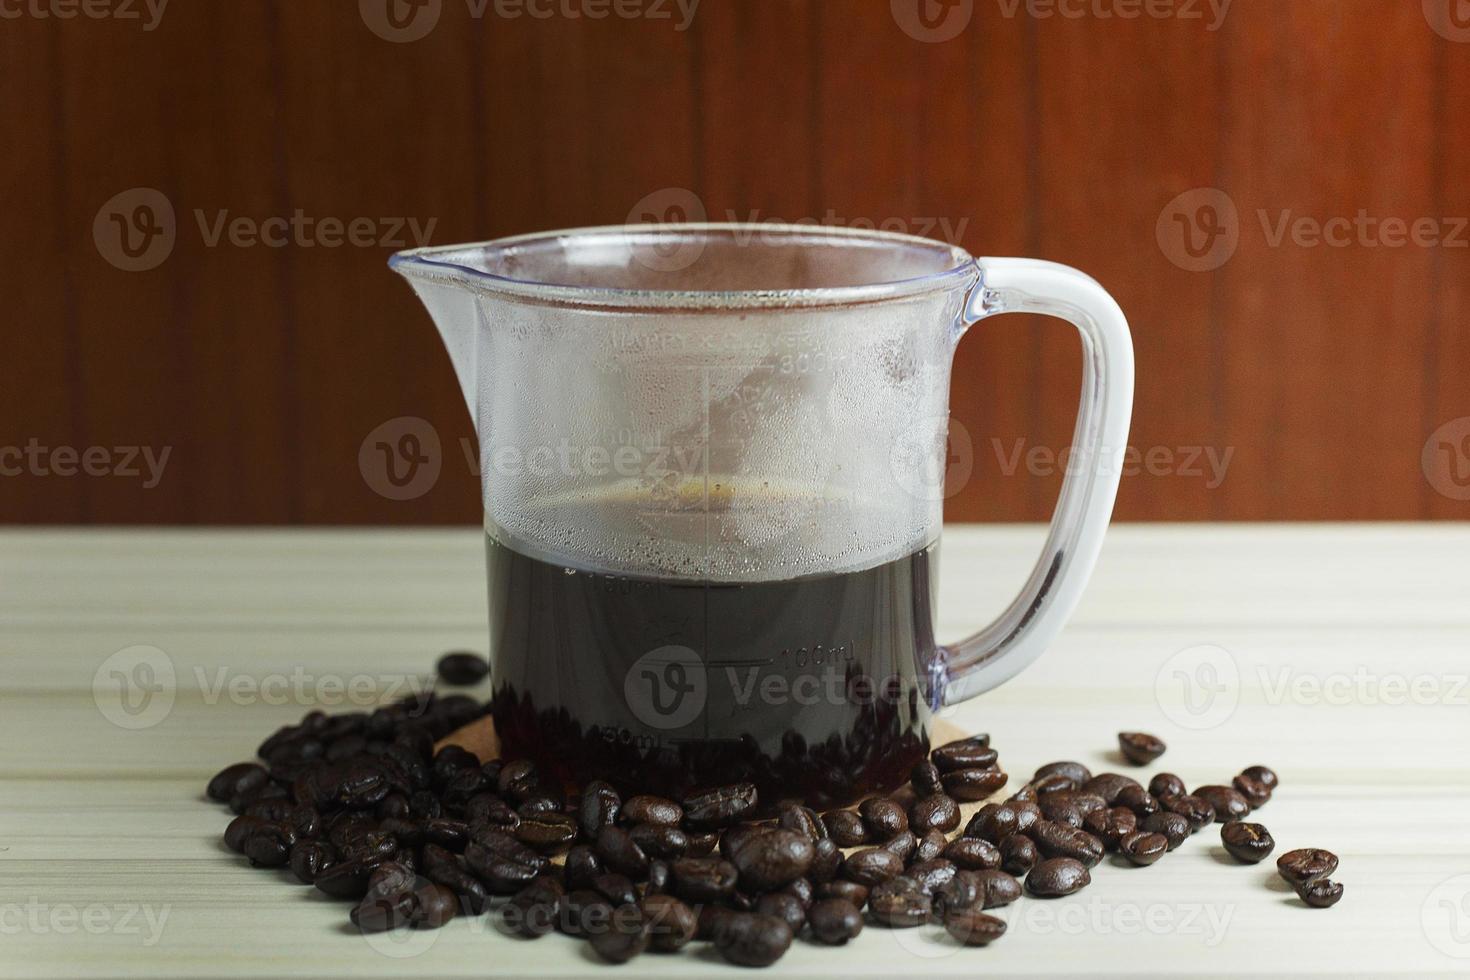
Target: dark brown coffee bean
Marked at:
801, 889
936, 812
434, 906
733, 837
1074, 772
997, 888
871, 866
1262, 775
671, 923
347, 879
621, 853
974, 928
924, 778
651, 809
582, 865
904, 845
708, 879
1143, 847
270, 791
971, 853
965, 753
1018, 854
1166, 784
904, 796
548, 833
834, 921
1192, 808
269, 845
584, 913
994, 822
1248, 843
241, 779
970, 785
826, 861
1306, 864
930, 875
600, 806
898, 903
803, 821
532, 911
787, 908
1173, 826
489, 810
625, 938
1060, 808
1320, 893
768, 860
1057, 876
845, 828
963, 891
1228, 804
721, 807
660, 840
380, 913
1140, 748
702, 843
445, 868
849, 891
239, 831
1107, 785
309, 858
1056, 840
461, 668
1138, 799
883, 818
1111, 826
658, 878
752, 940
931, 845
617, 889
1256, 793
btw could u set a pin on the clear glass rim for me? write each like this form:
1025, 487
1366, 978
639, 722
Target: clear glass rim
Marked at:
446, 264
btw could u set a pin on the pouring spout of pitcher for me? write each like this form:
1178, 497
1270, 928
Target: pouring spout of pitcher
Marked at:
445, 290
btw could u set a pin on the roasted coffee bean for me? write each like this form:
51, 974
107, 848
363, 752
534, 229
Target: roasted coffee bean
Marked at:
452, 835
374, 845
972, 853
1028, 814
1262, 775
269, 845
1191, 808
380, 913
1059, 808
1175, 827
658, 878
963, 891
625, 937
1166, 784
716, 808
1018, 854
461, 668
883, 818
787, 908
652, 809
1056, 840
539, 802
1108, 785
532, 911
1140, 748
309, 858
752, 940
826, 861
660, 840
845, 828
518, 780
871, 866
1256, 793
1055, 783
708, 879
617, 889
489, 810
924, 778
936, 812
965, 753
621, 853
702, 843
239, 831
241, 779
930, 875
904, 796
582, 865
1306, 864
803, 821
848, 891
1075, 772
1249, 843
898, 903
834, 921
346, 879
671, 923
502, 862
969, 785
973, 928
931, 845
547, 832
445, 868
1228, 804
583, 913
241, 801
734, 837
904, 845
1111, 826
997, 887
1320, 893
600, 805
1143, 847
434, 906
994, 822
768, 860
1137, 799
1057, 876
801, 890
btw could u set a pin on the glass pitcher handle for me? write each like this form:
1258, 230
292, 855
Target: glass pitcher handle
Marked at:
1055, 585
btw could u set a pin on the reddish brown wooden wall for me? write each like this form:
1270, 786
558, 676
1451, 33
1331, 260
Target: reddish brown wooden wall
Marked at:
1322, 369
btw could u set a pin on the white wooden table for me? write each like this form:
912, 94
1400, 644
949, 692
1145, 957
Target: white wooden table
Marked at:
1337, 655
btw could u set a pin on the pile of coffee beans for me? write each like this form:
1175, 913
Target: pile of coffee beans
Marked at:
366, 809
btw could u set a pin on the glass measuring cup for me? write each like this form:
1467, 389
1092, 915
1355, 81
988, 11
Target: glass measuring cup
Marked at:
712, 461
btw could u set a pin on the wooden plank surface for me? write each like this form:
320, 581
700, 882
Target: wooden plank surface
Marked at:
1342, 667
